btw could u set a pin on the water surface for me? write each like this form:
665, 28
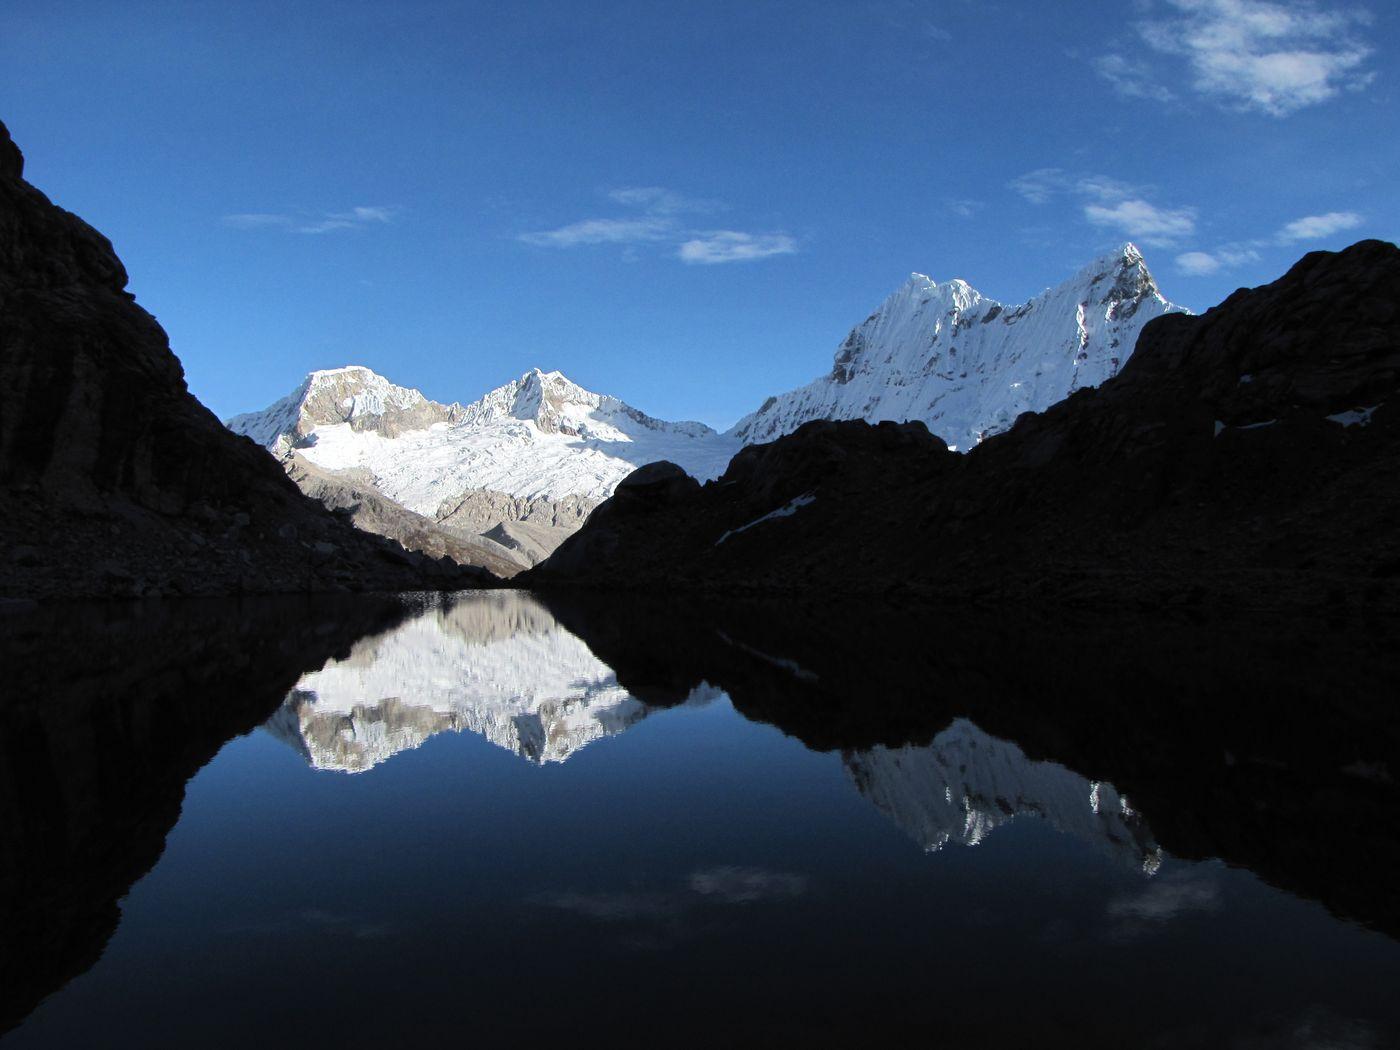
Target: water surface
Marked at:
488, 819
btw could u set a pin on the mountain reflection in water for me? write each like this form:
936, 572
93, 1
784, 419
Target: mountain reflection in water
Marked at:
1159, 746
499, 665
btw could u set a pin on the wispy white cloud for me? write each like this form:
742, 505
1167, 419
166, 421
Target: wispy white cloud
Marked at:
602, 231
254, 220
1143, 221
1110, 203
1131, 78
1268, 56
661, 201
1040, 185
1316, 227
660, 223
1203, 264
326, 222
1228, 256
963, 207
726, 246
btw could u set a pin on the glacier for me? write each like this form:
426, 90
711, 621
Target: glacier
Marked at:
967, 365
540, 436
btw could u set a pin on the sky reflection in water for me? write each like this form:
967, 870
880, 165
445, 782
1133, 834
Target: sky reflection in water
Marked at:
466, 827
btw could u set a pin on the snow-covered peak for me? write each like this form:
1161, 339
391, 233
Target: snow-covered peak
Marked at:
557, 405
968, 365
539, 436
353, 395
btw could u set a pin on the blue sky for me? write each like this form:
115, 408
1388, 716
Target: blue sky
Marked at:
687, 206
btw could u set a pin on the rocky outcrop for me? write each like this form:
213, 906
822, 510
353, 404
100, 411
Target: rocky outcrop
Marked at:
114, 478
369, 509
1250, 455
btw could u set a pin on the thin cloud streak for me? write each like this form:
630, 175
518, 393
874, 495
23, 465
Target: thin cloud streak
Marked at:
327, 222
1308, 228
726, 246
659, 225
1110, 203
1316, 227
601, 231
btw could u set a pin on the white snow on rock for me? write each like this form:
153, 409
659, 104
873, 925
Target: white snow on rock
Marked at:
1356, 417
787, 510
539, 436
967, 365
494, 664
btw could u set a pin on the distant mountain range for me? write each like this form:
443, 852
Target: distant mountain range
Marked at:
502, 481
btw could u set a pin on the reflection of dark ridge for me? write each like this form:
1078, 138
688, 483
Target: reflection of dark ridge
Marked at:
106, 714
1269, 743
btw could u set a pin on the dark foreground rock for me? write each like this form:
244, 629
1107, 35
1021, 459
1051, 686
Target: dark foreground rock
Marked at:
114, 478
1249, 455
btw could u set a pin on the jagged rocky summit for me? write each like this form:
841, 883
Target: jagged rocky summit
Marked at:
1247, 455
115, 479
510, 476
968, 366
499, 482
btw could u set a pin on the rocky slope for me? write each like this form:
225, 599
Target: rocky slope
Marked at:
115, 480
966, 365
502, 480
1249, 454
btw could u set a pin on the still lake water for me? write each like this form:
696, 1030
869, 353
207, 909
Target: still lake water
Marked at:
484, 819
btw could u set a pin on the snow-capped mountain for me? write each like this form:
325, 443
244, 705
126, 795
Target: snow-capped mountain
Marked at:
537, 437
515, 472
967, 365
502, 481
966, 784
496, 664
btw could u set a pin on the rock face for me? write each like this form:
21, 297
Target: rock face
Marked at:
114, 478
1249, 454
370, 510
512, 474
966, 365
